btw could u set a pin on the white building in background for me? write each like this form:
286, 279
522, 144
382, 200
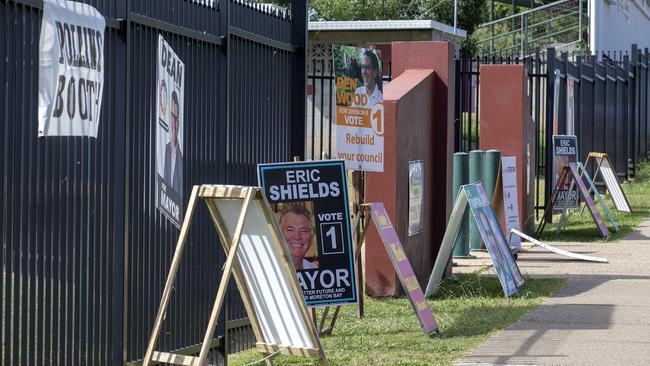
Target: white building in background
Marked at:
617, 24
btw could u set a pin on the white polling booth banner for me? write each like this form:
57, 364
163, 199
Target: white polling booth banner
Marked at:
71, 69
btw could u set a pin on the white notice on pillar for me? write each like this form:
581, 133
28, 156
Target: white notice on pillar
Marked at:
71, 69
510, 200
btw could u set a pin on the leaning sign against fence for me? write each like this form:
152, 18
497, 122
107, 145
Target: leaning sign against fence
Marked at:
311, 203
169, 132
359, 108
565, 151
71, 69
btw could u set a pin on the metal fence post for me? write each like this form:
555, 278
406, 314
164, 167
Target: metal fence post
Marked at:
628, 116
120, 339
548, 145
647, 102
523, 35
634, 141
299, 77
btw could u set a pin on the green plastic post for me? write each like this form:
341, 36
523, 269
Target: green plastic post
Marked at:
460, 177
475, 175
490, 171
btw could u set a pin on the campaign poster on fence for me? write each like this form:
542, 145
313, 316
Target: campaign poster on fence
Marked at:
570, 106
169, 132
565, 151
310, 201
359, 108
70, 69
490, 230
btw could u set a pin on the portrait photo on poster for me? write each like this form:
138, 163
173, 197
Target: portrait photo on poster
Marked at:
169, 132
359, 107
309, 200
297, 224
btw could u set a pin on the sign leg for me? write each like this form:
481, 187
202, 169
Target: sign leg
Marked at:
171, 277
362, 222
227, 270
562, 220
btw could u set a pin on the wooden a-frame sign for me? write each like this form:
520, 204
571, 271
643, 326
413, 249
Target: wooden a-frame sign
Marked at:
592, 188
258, 258
606, 169
473, 196
571, 172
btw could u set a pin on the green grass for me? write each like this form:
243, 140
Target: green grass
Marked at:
580, 227
468, 311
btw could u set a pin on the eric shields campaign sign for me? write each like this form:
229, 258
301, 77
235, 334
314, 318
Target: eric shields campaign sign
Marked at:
310, 200
70, 69
169, 132
565, 151
359, 108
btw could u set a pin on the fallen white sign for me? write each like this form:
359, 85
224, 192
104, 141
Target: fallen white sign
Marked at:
555, 250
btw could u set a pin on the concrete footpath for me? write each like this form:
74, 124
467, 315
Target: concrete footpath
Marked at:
600, 317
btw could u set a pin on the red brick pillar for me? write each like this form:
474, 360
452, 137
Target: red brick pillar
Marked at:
506, 125
417, 126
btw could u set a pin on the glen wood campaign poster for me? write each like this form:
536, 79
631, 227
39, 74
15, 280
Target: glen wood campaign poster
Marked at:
565, 151
359, 108
488, 225
416, 196
310, 200
71, 69
169, 132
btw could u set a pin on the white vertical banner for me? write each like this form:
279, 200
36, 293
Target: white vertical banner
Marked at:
570, 106
71, 69
510, 199
169, 132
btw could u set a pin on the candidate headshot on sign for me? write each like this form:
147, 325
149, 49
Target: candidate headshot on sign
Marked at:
372, 81
173, 155
297, 225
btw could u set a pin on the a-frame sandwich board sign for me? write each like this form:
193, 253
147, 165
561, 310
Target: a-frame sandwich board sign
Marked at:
592, 188
259, 260
377, 212
474, 196
606, 169
571, 174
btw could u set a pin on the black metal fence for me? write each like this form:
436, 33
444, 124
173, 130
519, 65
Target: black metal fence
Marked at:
85, 252
608, 109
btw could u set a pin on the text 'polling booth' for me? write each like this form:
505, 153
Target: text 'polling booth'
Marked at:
506, 125
418, 142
